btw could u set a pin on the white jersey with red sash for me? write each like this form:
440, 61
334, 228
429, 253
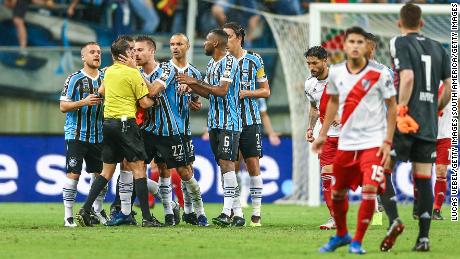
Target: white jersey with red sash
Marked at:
314, 90
361, 104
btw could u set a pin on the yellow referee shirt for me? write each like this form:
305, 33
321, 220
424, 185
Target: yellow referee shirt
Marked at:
123, 87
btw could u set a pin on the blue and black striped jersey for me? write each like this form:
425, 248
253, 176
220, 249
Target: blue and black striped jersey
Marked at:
85, 123
250, 72
224, 112
149, 122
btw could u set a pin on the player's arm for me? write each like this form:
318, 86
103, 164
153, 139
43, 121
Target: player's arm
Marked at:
406, 85
146, 102
101, 90
272, 135
262, 92
445, 96
202, 88
331, 111
155, 88
68, 106
313, 116
195, 103
391, 124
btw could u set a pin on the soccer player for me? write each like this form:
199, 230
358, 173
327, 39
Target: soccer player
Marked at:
359, 90
388, 198
443, 147
420, 63
124, 88
315, 90
253, 84
167, 124
224, 117
83, 128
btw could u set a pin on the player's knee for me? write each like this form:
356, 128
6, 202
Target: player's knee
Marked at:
184, 173
253, 166
441, 171
369, 188
73, 176
339, 194
226, 165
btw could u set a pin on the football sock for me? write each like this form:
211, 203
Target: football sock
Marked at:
142, 196
166, 194
326, 180
340, 208
389, 200
440, 189
366, 210
177, 186
236, 206
154, 189
126, 190
99, 202
230, 185
99, 183
69, 192
116, 202
425, 205
255, 188
193, 188
188, 204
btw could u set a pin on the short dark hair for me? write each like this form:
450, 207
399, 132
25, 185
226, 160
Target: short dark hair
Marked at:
410, 15
125, 37
149, 40
372, 38
355, 30
119, 47
222, 35
238, 29
316, 51
89, 43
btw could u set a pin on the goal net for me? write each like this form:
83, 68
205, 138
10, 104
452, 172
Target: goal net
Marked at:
325, 25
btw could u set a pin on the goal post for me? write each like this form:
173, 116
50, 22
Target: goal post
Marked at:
325, 26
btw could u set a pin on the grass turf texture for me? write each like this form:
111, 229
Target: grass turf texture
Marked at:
35, 230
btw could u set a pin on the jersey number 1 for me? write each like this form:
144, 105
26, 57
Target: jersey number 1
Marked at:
427, 60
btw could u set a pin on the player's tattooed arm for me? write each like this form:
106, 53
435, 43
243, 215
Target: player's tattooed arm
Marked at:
313, 116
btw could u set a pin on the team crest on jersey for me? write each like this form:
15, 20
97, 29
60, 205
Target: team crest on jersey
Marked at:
86, 86
72, 162
366, 84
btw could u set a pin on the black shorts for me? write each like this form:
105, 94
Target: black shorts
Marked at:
250, 141
224, 144
77, 150
122, 142
190, 148
20, 8
171, 150
408, 148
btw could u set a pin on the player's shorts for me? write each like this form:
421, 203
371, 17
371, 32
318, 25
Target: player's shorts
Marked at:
190, 148
171, 150
443, 147
122, 142
77, 151
224, 144
358, 168
408, 148
20, 9
250, 141
329, 151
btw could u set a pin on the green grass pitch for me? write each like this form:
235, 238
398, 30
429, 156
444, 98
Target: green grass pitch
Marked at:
34, 230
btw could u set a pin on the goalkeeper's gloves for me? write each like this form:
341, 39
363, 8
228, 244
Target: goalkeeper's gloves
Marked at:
404, 122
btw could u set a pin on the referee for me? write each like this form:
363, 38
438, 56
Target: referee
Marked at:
124, 88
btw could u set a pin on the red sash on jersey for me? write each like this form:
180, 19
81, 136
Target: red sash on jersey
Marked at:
358, 92
323, 104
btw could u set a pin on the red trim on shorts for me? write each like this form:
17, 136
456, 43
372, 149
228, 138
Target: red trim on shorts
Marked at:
416, 176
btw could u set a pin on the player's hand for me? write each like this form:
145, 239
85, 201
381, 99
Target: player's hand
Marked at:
91, 100
70, 11
384, 152
185, 79
318, 144
195, 105
274, 139
309, 136
205, 136
404, 122
244, 93
128, 61
335, 123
